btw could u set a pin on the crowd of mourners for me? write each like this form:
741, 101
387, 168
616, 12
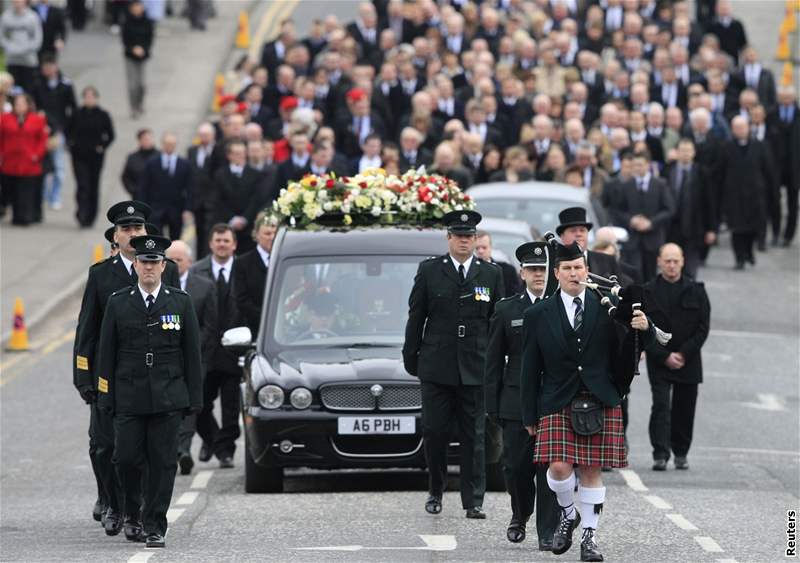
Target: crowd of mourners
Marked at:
669, 119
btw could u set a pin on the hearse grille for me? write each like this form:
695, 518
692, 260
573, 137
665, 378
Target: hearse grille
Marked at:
362, 397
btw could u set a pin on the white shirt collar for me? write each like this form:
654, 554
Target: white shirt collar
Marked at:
367, 162
531, 296
215, 268
456, 264
569, 304
183, 279
127, 263
154, 293
264, 255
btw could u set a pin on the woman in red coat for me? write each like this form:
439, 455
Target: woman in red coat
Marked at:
23, 146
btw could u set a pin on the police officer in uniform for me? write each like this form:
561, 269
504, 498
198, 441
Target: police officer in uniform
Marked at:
503, 358
149, 378
105, 278
450, 305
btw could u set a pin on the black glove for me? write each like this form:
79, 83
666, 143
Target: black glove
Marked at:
189, 411
88, 394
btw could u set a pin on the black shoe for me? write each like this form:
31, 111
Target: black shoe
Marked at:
98, 510
186, 463
739, 266
205, 452
589, 551
606, 469
433, 505
476, 513
681, 462
762, 246
786, 243
546, 545
154, 540
660, 465
113, 525
752, 259
562, 538
226, 463
516, 531
132, 527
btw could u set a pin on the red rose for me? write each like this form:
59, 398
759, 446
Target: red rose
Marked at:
467, 198
445, 196
312, 183
363, 184
329, 183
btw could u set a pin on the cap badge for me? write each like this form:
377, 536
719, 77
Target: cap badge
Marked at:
130, 210
150, 244
464, 217
537, 251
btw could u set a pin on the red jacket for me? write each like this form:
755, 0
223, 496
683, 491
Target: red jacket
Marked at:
22, 149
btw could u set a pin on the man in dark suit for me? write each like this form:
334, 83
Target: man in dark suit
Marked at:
412, 155
273, 53
260, 113
483, 250
365, 29
728, 30
671, 92
787, 117
238, 202
250, 273
136, 161
503, 356
675, 369
223, 373
475, 122
645, 207
450, 305
573, 227
293, 168
354, 125
570, 360
166, 185
754, 76
204, 298
692, 225
202, 160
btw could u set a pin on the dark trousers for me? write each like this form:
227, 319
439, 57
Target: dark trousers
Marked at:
77, 13
22, 193
185, 435
522, 476
87, 168
638, 256
149, 443
110, 490
743, 246
671, 417
197, 11
24, 76
442, 405
792, 189
170, 218
201, 232
222, 437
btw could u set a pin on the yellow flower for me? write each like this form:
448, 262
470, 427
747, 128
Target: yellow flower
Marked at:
363, 201
348, 220
309, 197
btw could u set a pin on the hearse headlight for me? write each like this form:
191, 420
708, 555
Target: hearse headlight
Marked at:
300, 398
270, 397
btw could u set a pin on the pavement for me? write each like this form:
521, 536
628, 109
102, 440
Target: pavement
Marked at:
730, 506
47, 263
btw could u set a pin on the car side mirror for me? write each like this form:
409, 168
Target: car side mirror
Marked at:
238, 340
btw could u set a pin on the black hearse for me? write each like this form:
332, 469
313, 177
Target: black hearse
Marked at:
324, 384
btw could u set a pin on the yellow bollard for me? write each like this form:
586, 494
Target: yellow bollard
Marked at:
19, 334
786, 75
219, 91
243, 33
783, 47
98, 253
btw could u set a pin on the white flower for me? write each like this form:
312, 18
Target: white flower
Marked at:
376, 211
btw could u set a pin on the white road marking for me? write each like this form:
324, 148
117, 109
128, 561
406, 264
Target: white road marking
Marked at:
727, 561
682, 522
201, 479
432, 543
141, 557
174, 513
767, 402
658, 502
187, 498
718, 356
750, 451
633, 480
746, 334
708, 544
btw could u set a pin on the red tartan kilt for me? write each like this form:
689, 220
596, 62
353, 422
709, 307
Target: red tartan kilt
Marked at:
556, 441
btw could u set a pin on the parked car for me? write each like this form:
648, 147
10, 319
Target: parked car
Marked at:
324, 383
536, 203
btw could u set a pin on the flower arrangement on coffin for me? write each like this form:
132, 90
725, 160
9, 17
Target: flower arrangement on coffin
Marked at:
371, 197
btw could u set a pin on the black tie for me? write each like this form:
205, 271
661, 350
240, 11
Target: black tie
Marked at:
134, 275
222, 291
461, 272
578, 314
150, 299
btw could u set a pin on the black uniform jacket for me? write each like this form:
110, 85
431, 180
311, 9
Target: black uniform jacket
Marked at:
504, 357
250, 279
688, 318
105, 278
146, 366
556, 362
448, 321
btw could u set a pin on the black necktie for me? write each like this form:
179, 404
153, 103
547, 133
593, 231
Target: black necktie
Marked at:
134, 275
222, 291
150, 299
578, 314
461, 271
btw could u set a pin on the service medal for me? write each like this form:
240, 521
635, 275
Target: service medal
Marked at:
171, 325
177, 326
165, 326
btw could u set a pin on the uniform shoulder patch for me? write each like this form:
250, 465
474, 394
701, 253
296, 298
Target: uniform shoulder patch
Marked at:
122, 291
176, 290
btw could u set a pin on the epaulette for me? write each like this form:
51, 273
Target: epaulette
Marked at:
123, 291
504, 299
169, 289
100, 263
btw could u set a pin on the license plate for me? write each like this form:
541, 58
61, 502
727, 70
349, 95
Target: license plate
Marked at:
377, 425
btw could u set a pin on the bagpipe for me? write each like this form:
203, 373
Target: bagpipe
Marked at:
620, 303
